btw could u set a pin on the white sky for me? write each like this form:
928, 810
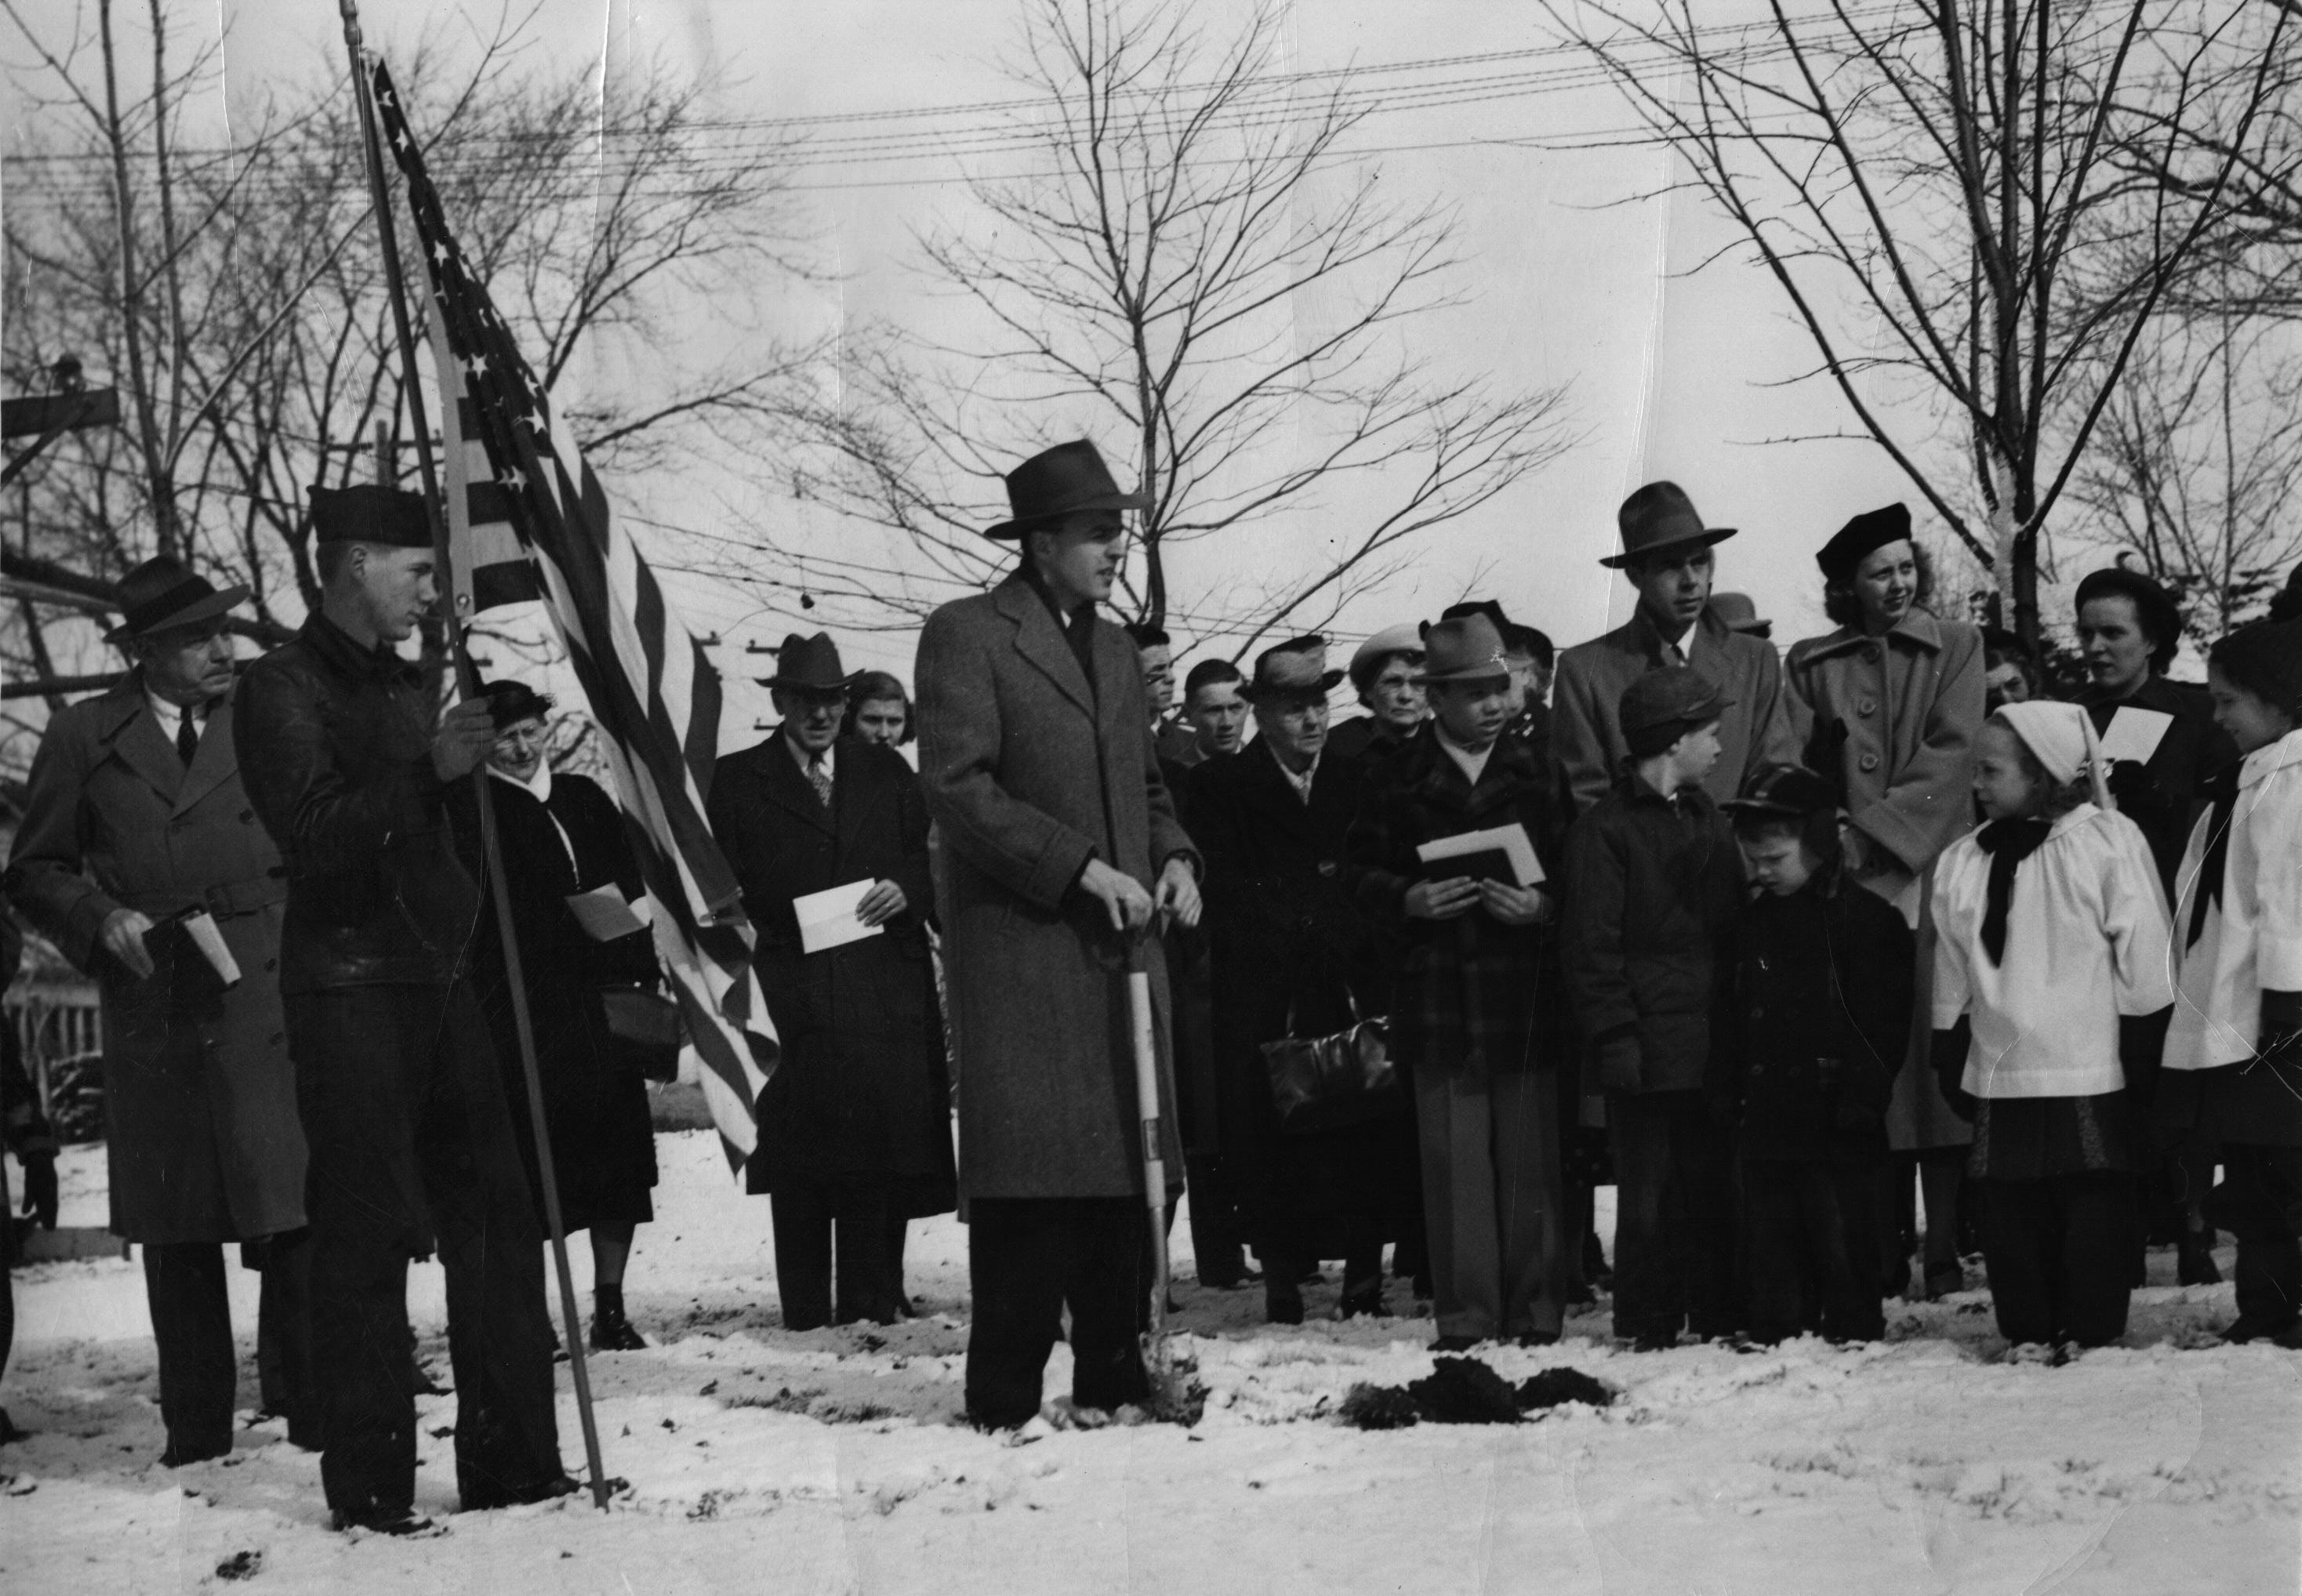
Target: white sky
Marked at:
1669, 375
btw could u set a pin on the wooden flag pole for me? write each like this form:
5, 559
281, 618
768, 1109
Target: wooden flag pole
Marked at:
469, 680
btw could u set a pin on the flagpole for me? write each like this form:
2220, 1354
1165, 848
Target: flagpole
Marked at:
468, 681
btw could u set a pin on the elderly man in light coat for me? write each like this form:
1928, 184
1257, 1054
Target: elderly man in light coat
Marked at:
1059, 843
136, 814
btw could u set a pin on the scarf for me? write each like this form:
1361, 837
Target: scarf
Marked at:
2222, 786
2008, 842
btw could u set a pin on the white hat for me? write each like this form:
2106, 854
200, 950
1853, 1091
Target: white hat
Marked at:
2060, 737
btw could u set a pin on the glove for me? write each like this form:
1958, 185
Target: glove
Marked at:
40, 1188
2131, 783
1618, 1065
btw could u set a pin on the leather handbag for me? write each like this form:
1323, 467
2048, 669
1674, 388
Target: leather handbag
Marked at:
644, 1030
1323, 1083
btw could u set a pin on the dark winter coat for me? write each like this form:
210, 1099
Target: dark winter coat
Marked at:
1825, 973
1654, 893
2164, 796
203, 1139
594, 1104
1290, 945
1471, 993
1031, 769
862, 1095
335, 741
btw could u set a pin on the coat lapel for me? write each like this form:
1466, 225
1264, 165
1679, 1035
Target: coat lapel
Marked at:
134, 735
855, 792
214, 763
787, 788
1041, 641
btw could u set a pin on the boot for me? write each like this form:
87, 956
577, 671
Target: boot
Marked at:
611, 1331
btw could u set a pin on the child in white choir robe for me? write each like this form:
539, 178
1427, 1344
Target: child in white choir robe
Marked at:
2052, 987
2234, 1049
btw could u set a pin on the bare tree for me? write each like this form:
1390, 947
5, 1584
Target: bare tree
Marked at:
236, 296
1943, 191
1197, 262
2196, 464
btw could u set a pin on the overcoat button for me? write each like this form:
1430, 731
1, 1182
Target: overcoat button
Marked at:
1869, 762
272, 965
1869, 706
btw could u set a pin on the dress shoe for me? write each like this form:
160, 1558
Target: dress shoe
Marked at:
177, 1456
1942, 1281
2194, 1261
1537, 1338
1215, 1281
2247, 1327
1454, 1343
613, 1332
483, 1498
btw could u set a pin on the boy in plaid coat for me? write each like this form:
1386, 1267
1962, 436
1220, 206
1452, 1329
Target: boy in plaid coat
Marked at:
1469, 1016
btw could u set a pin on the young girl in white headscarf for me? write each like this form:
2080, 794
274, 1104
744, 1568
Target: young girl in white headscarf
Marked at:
2052, 991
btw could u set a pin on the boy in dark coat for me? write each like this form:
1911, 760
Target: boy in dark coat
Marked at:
1469, 1016
1823, 995
1654, 889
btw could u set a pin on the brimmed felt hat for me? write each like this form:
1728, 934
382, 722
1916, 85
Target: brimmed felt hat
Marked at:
163, 592
371, 513
1405, 638
1740, 614
1663, 706
1660, 515
1791, 790
510, 703
1468, 649
1060, 481
1297, 669
810, 664
1858, 539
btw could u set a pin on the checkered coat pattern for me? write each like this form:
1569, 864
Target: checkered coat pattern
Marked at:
1473, 995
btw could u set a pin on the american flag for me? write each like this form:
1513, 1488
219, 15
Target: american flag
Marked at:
529, 521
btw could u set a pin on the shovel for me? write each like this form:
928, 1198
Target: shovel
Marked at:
1175, 1393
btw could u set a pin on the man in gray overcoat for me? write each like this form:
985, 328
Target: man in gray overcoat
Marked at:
135, 814
1666, 554
1059, 844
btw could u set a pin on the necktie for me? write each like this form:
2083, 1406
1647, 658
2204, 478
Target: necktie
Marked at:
2207, 892
819, 780
2008, 842
188, 735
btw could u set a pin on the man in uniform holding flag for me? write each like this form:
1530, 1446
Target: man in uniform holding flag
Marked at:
347, 764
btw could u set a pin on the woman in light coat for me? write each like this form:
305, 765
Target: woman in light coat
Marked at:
1894, 697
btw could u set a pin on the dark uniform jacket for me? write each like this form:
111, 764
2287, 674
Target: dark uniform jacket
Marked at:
2164, 796
336, 742
1825, 974
862, 1093
203, 1139
1473, 994
1654, 889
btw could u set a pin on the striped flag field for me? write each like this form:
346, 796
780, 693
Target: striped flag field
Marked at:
528, 520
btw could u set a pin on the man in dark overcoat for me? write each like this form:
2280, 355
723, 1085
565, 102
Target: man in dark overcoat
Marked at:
135, 814
1292, 953
1666, 554
349, 762
1059, 844
855, 1122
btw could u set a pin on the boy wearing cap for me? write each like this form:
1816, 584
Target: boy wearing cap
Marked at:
1654, 889
2051, 999
1470, 1016
1822, 999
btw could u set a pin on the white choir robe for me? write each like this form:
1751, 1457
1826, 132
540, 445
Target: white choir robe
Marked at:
2252, 940
2086, 942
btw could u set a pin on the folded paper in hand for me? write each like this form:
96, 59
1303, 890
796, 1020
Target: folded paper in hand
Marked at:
200, 926
828, 918
2134, 735
605, 914
1499, 853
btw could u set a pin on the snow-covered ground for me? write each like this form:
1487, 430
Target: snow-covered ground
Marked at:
833, 1461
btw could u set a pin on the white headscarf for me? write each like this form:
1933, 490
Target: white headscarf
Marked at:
2061, 738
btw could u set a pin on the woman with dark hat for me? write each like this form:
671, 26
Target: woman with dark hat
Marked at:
1292, 954
2129, 628
561, 835
1895, 700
